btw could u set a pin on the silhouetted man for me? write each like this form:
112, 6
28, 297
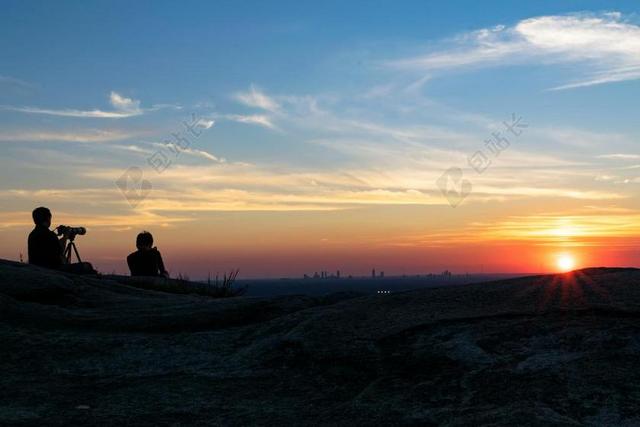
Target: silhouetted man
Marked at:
146, 261
45, 250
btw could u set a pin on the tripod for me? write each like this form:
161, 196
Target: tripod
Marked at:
67, 251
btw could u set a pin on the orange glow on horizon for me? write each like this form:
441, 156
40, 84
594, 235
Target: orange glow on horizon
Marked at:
392, 239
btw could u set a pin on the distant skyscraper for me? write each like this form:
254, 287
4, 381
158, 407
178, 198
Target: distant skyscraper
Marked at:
382, 274
373, 273
338, 274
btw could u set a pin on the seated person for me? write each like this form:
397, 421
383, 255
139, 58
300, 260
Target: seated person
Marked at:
45, 250
146, 261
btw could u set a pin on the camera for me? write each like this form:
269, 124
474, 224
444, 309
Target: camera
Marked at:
70, 232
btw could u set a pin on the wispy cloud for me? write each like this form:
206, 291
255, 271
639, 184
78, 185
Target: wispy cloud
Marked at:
88, 135
72, 113
122, 107
562, 228
587, 226
620, 156
205, 124
253, 119
8, 80
133, 148
190, 151
256, 98
605, 46
205, 155
202, 154
138, 218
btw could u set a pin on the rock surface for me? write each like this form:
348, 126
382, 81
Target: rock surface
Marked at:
545, 350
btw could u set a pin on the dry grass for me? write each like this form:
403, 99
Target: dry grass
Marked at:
216, 288
219, 288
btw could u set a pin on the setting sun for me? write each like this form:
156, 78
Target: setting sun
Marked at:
566, 263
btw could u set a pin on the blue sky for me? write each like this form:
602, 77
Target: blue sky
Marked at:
162, 52
316, 106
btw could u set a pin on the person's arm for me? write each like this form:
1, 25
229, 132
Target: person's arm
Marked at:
62, 245
163, 272
55, 249
133, 262
31, 249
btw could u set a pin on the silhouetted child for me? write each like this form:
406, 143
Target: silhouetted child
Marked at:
45, 250
146, 261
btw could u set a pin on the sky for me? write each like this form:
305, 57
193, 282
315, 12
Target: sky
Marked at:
284, 138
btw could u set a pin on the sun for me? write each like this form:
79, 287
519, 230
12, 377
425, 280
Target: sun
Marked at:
565, 263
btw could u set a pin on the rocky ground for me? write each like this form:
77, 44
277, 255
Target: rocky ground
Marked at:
547, 350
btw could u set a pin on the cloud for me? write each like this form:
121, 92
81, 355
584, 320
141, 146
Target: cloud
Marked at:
89, 135
123, 107
584, 226
127, 105
254, 119
380, 154
98, 114
8, 80
583, 138
564, 228
205, 124
233, 187
303, 113
619, 156
257, 99
604, 45
133, 218
378, 183
190, 151
132, 148
205, 155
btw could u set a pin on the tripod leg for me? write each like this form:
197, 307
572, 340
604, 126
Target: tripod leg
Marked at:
75, 249
67, 254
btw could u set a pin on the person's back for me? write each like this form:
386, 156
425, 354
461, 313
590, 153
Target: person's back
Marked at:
44, 248
146, 261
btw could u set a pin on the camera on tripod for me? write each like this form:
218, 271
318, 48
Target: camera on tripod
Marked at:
70, 233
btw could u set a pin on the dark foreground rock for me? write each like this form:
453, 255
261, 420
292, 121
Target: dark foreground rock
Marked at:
547, 350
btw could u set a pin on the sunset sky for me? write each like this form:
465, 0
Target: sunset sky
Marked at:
317, 133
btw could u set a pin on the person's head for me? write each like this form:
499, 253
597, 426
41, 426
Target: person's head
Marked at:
41, 216
144, 240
